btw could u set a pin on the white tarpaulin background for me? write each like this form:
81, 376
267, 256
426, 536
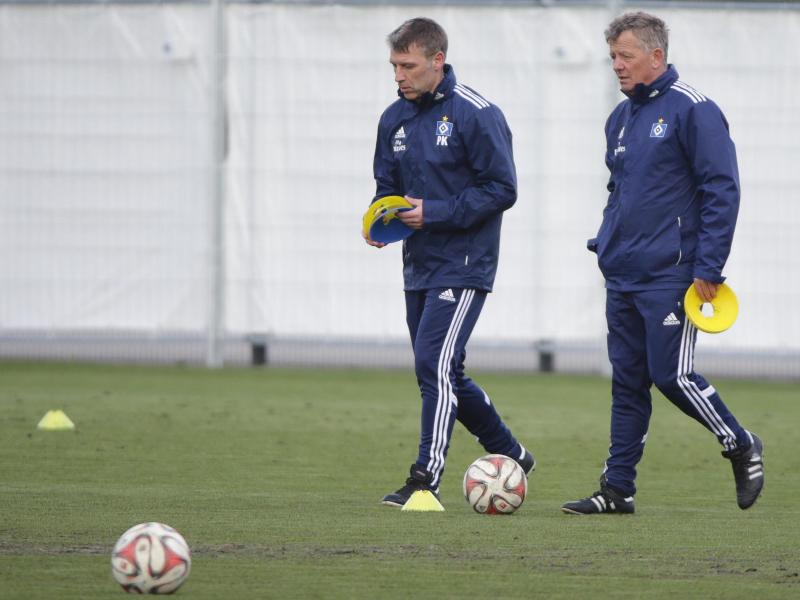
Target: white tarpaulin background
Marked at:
107, 166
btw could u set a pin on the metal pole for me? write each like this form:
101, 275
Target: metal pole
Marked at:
613, 98
216, 314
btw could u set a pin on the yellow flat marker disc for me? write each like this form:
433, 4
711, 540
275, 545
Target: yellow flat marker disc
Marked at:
725, 305
379, 223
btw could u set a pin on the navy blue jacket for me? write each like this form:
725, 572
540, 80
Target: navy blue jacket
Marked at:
453, 150
674, 189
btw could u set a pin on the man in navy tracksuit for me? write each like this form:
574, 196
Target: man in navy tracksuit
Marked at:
668, 224
448, 151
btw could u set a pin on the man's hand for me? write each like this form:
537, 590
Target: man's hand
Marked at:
371, 243
412, 218
705, 289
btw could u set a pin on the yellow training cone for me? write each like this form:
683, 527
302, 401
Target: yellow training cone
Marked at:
724, 304
55, 420
423, 501
380, 222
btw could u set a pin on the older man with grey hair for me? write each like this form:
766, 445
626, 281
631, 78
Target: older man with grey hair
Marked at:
668, 224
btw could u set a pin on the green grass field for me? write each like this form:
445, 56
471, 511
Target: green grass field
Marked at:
274, 478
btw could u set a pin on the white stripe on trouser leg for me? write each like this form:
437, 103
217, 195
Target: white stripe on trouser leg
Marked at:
709, 391
730, 437
445, 396
692, 392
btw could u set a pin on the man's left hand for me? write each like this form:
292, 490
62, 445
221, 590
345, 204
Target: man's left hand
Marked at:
412, 218
705, 289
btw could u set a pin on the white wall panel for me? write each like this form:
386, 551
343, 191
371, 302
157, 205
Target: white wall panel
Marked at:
547, 69
105, 155
103, 161
311, 89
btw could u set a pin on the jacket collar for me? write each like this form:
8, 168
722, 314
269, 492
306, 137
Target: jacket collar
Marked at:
442, 91
642, 93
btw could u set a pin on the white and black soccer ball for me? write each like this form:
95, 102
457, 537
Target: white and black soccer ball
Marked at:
495, 485
151, 558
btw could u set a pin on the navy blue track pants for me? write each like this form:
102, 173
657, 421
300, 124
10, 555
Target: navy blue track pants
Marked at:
650, 341
440, 322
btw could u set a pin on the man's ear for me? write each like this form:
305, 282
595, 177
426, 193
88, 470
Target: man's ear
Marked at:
658, 57
438, 60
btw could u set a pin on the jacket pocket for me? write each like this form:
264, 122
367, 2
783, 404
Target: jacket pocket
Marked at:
659, 253
608, 244
680, 239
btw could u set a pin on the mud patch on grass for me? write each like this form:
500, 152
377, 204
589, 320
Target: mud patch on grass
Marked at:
780, 570
54, 549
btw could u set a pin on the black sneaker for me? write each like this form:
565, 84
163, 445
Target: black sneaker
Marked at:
605, 500
748, 470
527, 462
420, 479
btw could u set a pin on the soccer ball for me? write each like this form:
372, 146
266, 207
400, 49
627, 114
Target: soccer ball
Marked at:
151, 558
495, 485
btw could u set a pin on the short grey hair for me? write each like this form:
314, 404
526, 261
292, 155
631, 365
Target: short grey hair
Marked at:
651, 31
422, 32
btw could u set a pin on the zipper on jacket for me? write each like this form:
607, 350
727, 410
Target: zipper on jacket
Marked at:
680, 252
